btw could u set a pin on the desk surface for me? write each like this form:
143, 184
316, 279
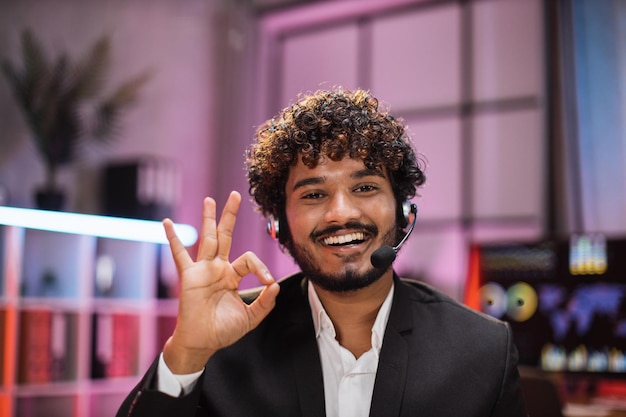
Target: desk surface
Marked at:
596, 407
592, 398
591, 410
578, 396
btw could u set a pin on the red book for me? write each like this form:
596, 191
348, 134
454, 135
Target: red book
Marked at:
35, 364
124, 346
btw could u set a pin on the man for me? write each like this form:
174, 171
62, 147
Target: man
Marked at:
334, 173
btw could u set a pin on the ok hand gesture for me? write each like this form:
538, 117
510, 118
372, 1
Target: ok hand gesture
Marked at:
211, 315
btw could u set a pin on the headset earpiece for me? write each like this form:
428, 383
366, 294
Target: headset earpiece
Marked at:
273, 227
409, 210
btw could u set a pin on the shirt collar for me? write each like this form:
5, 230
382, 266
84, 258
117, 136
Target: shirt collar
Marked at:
320, 317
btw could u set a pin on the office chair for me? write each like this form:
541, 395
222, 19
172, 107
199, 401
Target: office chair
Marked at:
541, 394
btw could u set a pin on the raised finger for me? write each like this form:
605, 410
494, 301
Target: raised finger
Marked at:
227, 225
207, 247
179, 252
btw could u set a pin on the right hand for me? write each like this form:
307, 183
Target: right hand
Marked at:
211, 315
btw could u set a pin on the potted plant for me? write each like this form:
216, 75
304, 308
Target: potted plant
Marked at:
64, 105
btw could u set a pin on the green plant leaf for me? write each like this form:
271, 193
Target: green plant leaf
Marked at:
36, 66
14, 80
128, 91
89, 75
109, 111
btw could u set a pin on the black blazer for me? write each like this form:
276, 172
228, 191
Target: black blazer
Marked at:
438, 359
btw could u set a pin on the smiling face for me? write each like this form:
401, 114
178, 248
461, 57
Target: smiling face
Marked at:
339, 212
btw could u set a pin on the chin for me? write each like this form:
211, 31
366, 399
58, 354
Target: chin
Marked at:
339, 275
345, 281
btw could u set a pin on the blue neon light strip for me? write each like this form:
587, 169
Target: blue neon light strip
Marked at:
94, 225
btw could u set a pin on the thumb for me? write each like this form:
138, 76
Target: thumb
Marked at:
262, 306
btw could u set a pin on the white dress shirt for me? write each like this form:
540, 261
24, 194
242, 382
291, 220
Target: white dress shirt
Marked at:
348, 381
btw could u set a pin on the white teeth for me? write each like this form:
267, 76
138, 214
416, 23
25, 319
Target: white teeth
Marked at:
341, 240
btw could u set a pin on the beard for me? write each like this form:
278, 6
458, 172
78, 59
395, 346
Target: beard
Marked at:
345, 280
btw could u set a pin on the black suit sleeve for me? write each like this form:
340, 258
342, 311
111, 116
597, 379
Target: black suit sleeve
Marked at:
146, 400
510, 400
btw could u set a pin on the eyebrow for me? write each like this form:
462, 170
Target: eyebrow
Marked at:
362, 173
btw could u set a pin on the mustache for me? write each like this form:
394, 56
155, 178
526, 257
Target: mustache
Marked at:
354, 225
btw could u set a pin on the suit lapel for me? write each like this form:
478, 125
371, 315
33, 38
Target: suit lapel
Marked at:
308, 374
394, 357
301, 345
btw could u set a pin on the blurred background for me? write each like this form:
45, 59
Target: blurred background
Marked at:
516, 106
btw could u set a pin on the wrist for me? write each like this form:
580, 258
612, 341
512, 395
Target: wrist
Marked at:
181, 360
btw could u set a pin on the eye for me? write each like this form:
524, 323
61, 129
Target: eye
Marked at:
521, 301
312, 196
493, 300
365, 188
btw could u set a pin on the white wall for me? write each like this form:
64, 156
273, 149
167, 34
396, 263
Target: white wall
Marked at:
467, 77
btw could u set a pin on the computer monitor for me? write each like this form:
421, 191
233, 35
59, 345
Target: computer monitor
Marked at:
565, 300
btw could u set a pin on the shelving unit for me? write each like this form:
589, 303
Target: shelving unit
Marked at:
81, 309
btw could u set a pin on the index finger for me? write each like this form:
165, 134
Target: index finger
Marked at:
179, 252
249, 263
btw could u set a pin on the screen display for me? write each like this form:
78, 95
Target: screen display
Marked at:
565, 301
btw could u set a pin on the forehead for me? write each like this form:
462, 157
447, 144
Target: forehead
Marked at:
328, 171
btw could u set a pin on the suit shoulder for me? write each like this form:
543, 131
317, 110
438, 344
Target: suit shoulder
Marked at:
422, 293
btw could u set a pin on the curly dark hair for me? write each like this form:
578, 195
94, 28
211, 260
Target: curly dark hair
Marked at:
331, 124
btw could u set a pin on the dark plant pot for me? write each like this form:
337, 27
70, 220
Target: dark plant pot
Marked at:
49, 199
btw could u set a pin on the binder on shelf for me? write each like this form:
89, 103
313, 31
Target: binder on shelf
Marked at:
44, 336
115, 349
60, 369
141, 188
35, 362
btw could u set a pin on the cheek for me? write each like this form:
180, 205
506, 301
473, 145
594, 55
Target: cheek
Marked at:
386, 215
300, 226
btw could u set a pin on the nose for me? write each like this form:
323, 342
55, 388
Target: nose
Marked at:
341, 209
